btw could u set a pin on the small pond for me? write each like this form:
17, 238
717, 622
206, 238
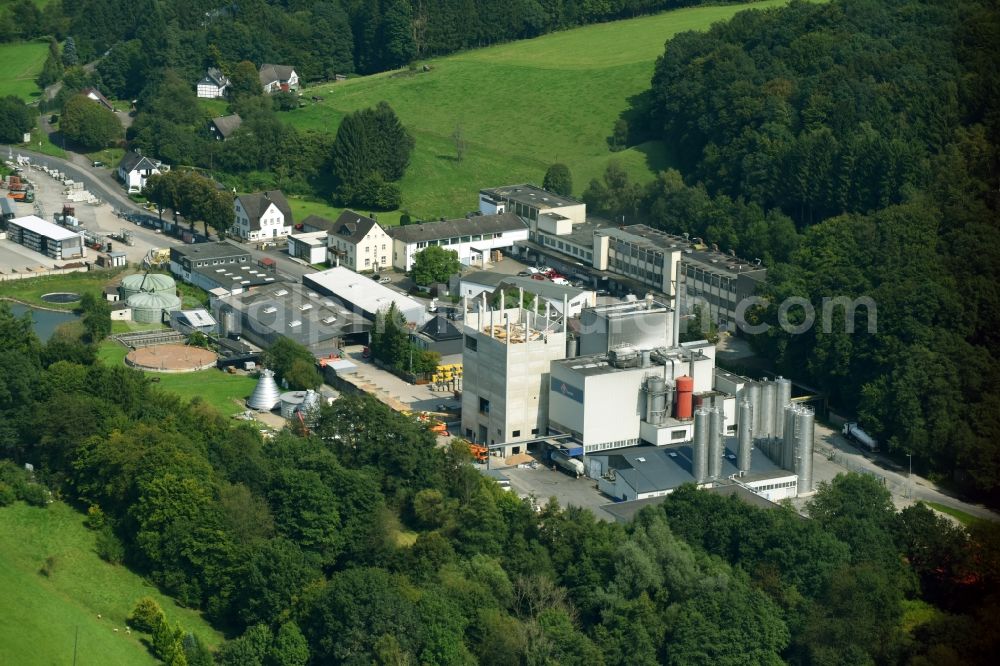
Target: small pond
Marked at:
61, 297
45, 321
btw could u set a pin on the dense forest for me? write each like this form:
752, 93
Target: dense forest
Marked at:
361, 542
320, 38
853, 146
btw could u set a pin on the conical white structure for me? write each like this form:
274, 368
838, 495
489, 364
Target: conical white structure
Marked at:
265, 395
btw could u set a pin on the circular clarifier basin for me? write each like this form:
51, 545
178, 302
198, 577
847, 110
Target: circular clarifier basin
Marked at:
61, 297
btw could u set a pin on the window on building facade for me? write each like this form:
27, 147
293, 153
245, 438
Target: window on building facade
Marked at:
367, 262
484, 406
516, 433
471, 343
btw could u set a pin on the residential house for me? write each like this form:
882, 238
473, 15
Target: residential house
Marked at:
262, 216
134, 169
359, 243
95, 94
214, 84
472, 238
278, 78
223, 127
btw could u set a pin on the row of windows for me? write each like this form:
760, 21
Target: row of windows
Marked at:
642, 254
775, 486
709, 278
646, 275
368, 248
619, 444
456, 240
216, 262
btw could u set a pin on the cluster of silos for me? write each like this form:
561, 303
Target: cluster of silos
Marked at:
797, 444
767, 401
709, 443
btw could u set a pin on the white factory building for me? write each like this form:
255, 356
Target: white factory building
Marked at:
506, 359
639, 412
364, 296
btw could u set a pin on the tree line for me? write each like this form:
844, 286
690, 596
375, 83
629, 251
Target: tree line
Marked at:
364, 542
853, 148
321, 39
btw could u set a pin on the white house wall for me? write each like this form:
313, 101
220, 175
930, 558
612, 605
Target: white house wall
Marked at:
403, 253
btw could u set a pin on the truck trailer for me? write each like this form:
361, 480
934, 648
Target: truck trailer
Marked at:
853, 432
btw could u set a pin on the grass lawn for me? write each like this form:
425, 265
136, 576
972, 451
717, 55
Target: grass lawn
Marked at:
30, 290
227, 393
223, 391
40, 615
967, 519
521, 106
20, 63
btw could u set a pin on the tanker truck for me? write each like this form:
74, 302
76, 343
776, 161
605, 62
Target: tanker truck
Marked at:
571, 465
853, 432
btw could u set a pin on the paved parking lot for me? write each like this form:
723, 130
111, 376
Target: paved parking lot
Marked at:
542, 483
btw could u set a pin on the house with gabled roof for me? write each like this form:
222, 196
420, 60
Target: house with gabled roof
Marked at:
262, 216
95, 94
214, 84
222, 128
135, 168
278, 78
359, 243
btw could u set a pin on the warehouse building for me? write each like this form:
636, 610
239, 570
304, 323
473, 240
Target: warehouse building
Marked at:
364, 295
214, 265
45, 238
309, 246
290, 310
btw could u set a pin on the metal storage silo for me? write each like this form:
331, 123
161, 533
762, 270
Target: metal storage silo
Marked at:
717, 431
290, 401
805, 433
700, 445
745, 436
685, 391
767, 400
656, 390
265, 395
788, 442
783, 389
754, 392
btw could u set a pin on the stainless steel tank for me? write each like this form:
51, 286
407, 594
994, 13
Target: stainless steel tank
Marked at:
700, 445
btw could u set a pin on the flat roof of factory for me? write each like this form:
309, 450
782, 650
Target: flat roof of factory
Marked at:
651, 469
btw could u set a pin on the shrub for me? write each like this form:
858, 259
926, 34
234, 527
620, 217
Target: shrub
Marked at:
35, 494
147, 615
95, 517
109, 547
7, 494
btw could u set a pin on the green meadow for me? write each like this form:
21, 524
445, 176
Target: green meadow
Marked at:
519, 107
43, 616
20, 63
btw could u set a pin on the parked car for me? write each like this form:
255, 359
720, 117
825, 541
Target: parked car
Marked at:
561, 281
525, 274
384, 280
532, 270
96, 164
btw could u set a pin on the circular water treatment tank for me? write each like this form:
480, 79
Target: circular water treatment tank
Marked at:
61, 297
291, 401
154, 283
149, 308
